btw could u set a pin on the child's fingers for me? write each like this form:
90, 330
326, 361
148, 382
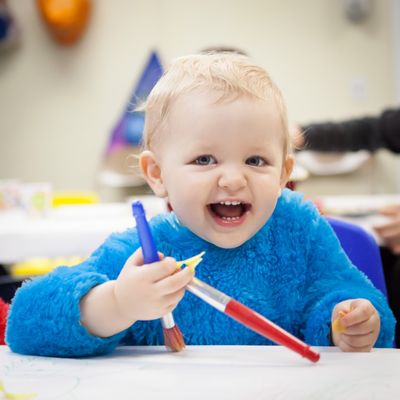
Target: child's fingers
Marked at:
364, 328
359, 341
361, 311
175, 282
136, 259
359, 322
344, 346
157, 271
174, 298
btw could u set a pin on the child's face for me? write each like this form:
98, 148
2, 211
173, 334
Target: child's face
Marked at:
220, 165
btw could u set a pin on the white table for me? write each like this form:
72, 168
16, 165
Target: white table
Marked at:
206, 372
67, 230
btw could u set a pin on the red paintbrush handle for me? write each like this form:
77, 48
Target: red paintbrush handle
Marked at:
268, 329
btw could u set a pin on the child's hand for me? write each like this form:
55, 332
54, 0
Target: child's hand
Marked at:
150, 291
360, 325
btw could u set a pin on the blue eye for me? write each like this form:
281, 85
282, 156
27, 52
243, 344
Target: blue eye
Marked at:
205, 160
256, 161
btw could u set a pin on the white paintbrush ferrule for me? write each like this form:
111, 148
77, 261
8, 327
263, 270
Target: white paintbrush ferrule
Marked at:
167, 321
210, 295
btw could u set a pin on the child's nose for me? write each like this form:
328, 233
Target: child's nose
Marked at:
232, 179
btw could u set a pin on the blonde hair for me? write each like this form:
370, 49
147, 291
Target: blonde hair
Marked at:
227, 74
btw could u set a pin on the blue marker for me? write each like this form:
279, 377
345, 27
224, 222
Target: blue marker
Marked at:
173, 338
149, 248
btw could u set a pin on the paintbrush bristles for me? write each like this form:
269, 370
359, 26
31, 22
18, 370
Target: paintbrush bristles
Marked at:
173, 339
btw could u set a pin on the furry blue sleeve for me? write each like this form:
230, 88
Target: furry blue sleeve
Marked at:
332, 278
44, 317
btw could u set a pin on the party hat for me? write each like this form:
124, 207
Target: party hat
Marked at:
119, 167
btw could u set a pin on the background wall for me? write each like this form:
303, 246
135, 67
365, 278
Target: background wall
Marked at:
58, 105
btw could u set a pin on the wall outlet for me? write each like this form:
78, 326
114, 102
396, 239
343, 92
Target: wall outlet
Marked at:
359, 89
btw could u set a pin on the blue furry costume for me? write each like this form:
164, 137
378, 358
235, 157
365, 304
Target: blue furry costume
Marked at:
293, 271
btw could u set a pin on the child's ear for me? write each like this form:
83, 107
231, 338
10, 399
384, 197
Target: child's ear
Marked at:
287, 169
151, 171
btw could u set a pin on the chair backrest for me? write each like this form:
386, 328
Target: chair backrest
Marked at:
362, 250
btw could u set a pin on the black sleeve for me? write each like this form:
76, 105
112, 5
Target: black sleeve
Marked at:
389, 125
370, 133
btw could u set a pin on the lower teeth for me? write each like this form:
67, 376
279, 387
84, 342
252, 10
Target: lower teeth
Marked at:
230, 218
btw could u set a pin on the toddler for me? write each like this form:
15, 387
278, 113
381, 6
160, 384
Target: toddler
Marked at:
216, 145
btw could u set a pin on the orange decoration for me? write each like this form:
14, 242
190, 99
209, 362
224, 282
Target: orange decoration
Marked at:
66, 19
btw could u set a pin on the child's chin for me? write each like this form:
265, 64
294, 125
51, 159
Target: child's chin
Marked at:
226, 243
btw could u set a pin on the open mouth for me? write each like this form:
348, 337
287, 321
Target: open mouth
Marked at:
229, 211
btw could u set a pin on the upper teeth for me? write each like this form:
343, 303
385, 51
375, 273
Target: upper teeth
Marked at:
230, 203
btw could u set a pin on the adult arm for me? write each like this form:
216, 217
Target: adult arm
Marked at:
370, 133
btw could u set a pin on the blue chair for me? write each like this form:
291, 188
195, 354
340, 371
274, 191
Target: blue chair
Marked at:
362, 250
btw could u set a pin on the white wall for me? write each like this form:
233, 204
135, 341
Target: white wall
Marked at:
396, 36
57, 105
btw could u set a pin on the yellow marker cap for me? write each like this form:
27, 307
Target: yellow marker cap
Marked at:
191, 262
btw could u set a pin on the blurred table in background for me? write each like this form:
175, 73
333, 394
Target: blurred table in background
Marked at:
362, 210
66, 231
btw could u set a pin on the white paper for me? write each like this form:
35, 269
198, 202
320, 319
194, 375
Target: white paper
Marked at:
206, 372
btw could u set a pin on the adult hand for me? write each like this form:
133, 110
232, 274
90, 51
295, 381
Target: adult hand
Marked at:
390, 232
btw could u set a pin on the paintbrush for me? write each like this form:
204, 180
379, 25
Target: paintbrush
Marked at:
250, 318
246, 316
173, 338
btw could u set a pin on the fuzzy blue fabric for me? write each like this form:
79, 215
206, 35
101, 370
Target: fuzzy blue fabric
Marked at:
293, 271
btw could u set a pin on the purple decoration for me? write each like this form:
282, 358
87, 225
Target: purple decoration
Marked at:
129, 128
